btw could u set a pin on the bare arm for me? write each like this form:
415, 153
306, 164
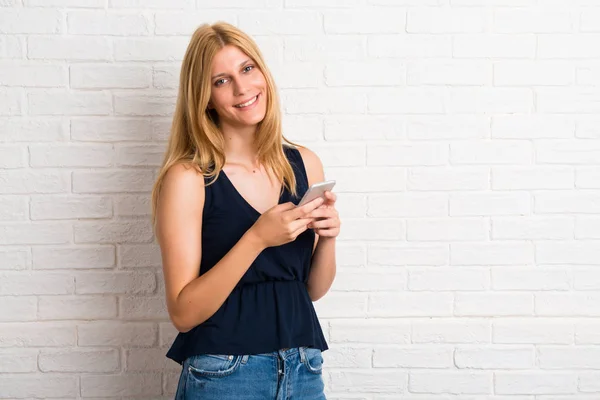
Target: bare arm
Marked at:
191, 299
323, 264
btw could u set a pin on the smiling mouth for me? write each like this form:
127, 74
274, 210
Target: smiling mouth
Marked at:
247, 103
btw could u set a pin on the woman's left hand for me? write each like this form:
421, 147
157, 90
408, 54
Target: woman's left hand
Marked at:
327, 222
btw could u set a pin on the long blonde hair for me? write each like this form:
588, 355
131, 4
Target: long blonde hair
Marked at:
195, 136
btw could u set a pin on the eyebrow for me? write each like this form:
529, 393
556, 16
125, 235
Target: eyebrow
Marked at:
223, 74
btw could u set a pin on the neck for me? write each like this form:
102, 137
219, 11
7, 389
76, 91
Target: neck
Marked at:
239, 144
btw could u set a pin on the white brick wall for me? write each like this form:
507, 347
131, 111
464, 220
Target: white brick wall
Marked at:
464, 138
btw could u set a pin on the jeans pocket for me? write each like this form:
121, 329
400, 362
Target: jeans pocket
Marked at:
213, 365
313, 360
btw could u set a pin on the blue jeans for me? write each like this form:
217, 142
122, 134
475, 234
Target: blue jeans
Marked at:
289, 374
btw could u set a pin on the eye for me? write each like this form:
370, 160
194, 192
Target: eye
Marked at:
248, 66
219, 82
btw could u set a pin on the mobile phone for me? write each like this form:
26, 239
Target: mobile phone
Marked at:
316, 190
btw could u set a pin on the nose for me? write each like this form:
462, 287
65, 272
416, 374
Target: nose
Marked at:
239, 87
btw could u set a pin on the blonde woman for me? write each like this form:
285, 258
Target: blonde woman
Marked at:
242, 263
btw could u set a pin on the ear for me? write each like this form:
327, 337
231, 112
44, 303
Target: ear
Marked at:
210, 106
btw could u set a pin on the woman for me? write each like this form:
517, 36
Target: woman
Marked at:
242, 264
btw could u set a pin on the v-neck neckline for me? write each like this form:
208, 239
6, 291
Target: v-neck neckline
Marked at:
243, 199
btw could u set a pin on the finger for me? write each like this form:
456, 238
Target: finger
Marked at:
322, 212
298, 223
302, 211
324, 224
331, 196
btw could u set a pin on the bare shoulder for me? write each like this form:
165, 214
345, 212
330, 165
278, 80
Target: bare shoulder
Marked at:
312, 164
182, 192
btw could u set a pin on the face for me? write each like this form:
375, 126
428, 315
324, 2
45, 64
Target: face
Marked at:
238, 88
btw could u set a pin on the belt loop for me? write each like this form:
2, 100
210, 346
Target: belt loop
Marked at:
302, 354
245, 359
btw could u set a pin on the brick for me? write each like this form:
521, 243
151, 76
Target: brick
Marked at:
146, 384
37, 334
535, 383
533, 20
532, 126
519, 278
451, 382
73, 257
132, 205
12, 101
72, 207
347, 357
144, 105
21, 360
114, 282
567, 304
320, 101
108, 129
496, 357
13, 157
532, 331
421, 154
407, 205
443, 278
447, 229
560, 46
30, 21
33, 181
351, 254
461, 330
483, 100
303, 128
140, 155
32, 75
490, 45
447, 178
71, 155
362, 128
567, 152
15, 259
121, 181
587, 177
152, 4
492, 254
532, 177
278, 23
561, 357
361, 73
69, 48
530, 73
178, 23
149, 360
324, 48
165, 76
369, 381
531, 228
373, 229
35, 233
66, 3
59, 103
407, 254
566, 202
166, 333
356, 280
432, 20
146, 49
135, 231
427, 72
139, 255
143, 308
114, 333
33, 130
16, 309
25, 386
414, 356
493, 304
298, 74
103, 23
11, 47
410, 304
76, 307
370, 331
409, 46
342, 305
33, 283
109, 76
369, 179
410, 100
106, 360
372, 21
490, 204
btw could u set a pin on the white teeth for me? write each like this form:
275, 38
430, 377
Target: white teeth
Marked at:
248, 102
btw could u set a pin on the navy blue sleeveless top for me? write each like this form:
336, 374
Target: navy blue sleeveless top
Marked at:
269, 309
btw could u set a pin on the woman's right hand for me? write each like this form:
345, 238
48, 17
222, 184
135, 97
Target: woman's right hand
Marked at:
283, 223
